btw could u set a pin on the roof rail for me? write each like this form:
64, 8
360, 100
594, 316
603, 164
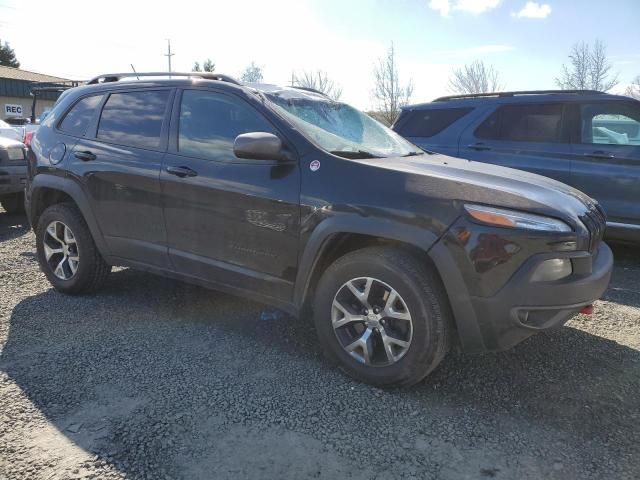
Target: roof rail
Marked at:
513, 94
309, 89
114, 77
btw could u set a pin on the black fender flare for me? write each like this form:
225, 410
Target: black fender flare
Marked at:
318, 242
71, 188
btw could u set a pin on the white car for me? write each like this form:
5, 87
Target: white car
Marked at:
14, 133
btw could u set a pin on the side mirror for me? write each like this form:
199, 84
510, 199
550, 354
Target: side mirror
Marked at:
258, 146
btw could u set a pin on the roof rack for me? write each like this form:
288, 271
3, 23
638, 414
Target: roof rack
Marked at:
114, 77
309, 89
513, 94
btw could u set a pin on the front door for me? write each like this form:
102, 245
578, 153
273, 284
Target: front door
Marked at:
606, 163
229, 220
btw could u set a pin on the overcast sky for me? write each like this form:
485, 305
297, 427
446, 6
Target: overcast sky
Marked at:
527, 41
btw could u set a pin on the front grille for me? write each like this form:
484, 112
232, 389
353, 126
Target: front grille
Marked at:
595, 220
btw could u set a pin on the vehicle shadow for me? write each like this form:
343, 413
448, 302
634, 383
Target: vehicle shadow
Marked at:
625, 282
12, 226
149, 363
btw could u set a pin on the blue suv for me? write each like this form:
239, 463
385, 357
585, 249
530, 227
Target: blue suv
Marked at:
587, 139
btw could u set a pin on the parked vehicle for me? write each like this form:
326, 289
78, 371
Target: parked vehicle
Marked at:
13, 175
589, 140
285, 196
8, 131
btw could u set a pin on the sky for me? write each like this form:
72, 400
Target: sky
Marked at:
526, 41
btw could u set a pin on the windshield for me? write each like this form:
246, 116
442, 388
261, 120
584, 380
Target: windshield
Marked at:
338, 127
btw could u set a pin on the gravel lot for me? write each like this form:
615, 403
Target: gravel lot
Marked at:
151, 378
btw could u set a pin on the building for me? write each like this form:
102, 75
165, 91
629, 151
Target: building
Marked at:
16, 87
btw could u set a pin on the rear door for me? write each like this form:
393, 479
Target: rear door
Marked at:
526, 136
118, 163
606, 162
229, 220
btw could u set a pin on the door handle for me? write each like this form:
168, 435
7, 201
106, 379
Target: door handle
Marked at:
600, 154
182, 172
479, 146
85, 156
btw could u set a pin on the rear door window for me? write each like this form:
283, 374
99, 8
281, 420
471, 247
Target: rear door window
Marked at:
427, 123
76, 121
134, 118
524, 123
610, 123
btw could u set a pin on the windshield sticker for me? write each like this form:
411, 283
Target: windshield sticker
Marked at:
314, 166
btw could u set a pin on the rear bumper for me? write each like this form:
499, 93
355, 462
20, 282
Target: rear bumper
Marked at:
522, 307
12, 178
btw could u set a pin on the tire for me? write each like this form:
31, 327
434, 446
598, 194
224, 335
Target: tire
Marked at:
13, 203
419, 299
89, 270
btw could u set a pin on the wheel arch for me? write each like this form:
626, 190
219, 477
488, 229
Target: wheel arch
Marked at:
50, 190
336, 236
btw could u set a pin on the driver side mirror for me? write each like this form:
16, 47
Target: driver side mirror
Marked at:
259, 146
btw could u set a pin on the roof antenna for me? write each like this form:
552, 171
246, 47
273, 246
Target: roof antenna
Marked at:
134, 71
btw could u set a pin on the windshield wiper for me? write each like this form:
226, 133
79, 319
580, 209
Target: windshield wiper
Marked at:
355, 154
413, 154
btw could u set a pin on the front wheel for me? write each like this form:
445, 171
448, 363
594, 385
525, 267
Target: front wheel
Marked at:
382, 316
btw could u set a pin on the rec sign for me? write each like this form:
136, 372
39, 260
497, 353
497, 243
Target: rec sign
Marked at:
12, 110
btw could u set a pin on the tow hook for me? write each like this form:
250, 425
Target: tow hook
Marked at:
587, 310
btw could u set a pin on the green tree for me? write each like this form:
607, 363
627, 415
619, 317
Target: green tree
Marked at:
207, 66
8, 56
253, 73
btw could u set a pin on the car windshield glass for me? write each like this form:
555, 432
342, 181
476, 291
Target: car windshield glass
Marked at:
338, 127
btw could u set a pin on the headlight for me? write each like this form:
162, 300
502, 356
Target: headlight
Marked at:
515, 219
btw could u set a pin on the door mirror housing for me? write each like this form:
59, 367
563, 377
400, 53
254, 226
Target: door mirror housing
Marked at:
259, 146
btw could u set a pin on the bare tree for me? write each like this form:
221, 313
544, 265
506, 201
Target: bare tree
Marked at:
476, 77
253, 73
633, 90
588, 69
319, 80
389, 94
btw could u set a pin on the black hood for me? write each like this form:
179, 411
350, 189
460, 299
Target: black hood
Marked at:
469, 181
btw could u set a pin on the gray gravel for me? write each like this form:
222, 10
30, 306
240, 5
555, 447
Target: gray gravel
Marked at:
151, 378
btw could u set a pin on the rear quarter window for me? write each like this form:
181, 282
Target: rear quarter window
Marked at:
427, 123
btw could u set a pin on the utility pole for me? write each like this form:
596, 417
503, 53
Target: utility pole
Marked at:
169, 54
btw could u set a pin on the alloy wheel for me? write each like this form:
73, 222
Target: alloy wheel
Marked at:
61, 250
371, 321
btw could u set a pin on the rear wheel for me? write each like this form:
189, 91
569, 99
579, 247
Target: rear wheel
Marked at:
382, 316
66, 251
13, 203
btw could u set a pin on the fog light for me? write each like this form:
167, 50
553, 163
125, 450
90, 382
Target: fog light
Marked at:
553, 269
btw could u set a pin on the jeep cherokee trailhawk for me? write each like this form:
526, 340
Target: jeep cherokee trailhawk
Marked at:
285, 196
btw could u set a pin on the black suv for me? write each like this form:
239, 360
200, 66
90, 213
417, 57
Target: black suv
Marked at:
285, 196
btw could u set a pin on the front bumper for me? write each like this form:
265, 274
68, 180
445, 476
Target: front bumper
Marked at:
487, 273
12, 178
523, 307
